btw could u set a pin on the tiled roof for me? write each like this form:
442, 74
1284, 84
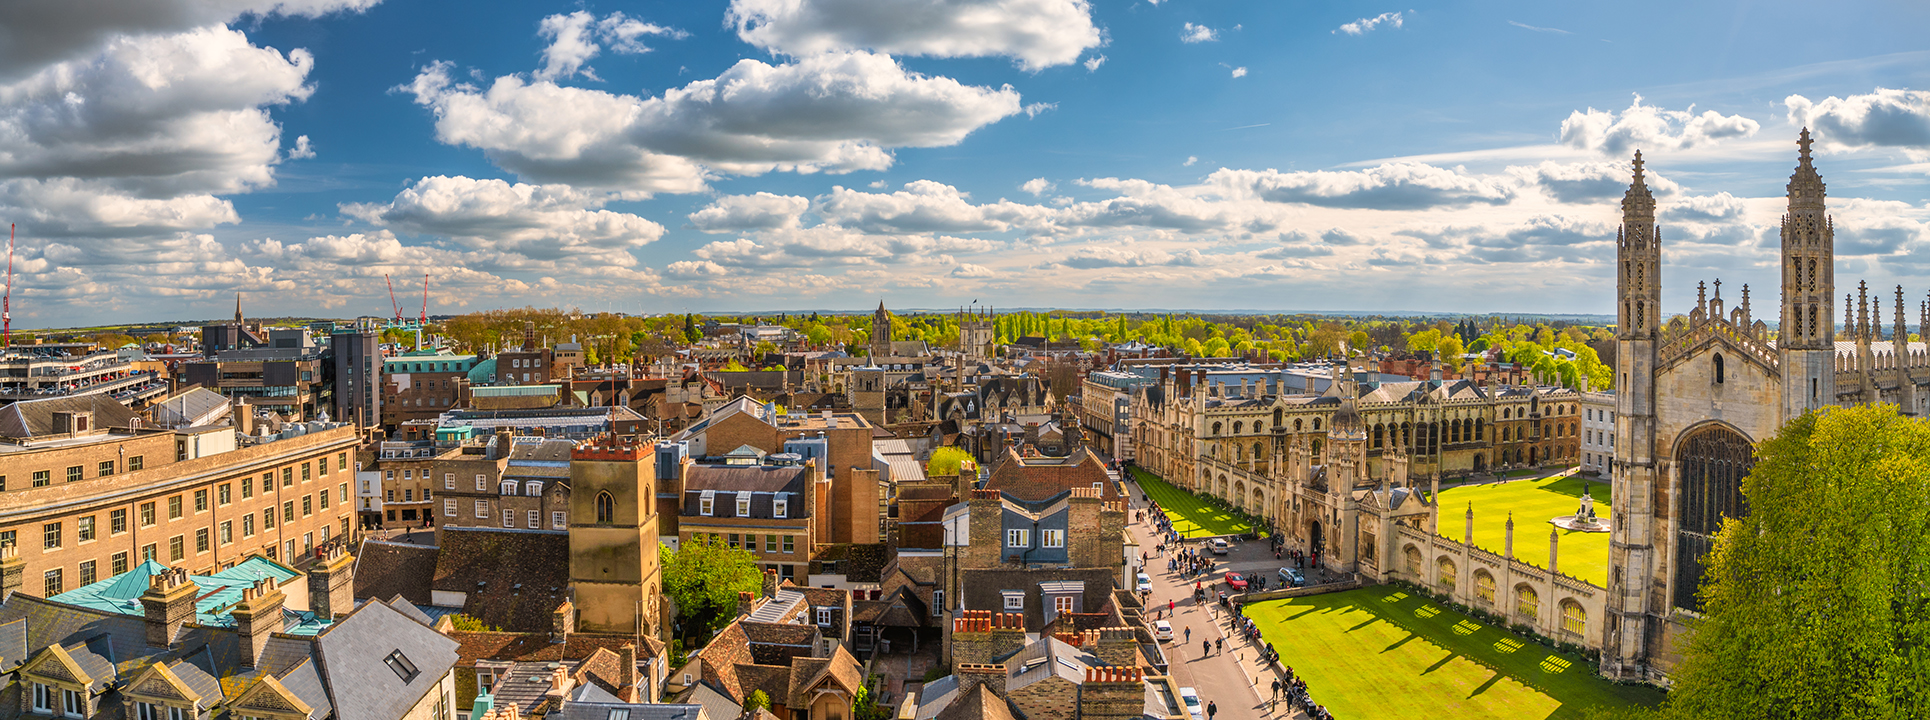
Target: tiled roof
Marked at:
979, 703
511, 579
35, 418
538, 647
386, 569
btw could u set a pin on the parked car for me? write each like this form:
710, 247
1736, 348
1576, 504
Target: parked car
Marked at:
1145, 583
1292, 577
1191, 699
1162, 630
1235, 581
1219, 546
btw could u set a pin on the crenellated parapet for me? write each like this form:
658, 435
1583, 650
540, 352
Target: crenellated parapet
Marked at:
1710, 323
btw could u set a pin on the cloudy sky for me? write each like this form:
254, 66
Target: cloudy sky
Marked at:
159, 155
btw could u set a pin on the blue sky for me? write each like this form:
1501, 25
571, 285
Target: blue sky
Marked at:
759, 154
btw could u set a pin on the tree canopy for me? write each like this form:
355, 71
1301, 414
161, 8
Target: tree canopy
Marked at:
704, 576
1817, 603
945, 462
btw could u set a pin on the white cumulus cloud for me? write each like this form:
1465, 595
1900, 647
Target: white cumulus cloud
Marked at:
1649, 128
762, 211
577, 37
1366, 25
543, 223
1885, 118
37, 33
1394, 186
1191, 33
1037, 33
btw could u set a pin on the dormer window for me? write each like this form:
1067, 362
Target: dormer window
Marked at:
780, 507
705, 504
508, 487
533, 488
743, 505
824, 616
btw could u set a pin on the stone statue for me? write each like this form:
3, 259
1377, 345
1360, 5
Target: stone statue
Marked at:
1587, 512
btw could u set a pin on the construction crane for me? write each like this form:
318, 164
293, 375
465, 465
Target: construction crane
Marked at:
425, 299
6, 300
392, 300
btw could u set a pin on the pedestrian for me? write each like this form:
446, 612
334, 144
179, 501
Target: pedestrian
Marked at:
1206, 648
1189, 633
1276, 688
1220, 645
1169, 606
1211, 710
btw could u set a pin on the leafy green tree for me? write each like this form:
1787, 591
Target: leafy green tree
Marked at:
757, 701
1360, 340
945, 462
1449, 350
703, 576
1817, 602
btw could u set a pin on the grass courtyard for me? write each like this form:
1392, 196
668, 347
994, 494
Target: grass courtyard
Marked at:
1533, 502
1192, 515
1379, 652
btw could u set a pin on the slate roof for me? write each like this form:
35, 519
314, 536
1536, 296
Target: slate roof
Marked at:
354, 654
762, 481
539, 648
27, 419
983, 589
980, 703
386, 569
716, 705
512, 579
575, 710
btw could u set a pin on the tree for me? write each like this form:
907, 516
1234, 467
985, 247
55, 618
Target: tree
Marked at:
1360, 340
945, 462
1449, 350
704, 576
1817, 602
757, 701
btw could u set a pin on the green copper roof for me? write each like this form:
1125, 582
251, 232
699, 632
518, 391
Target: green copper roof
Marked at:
220, 592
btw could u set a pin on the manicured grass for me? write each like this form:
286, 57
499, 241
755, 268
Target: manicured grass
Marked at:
1191, 514
1379, 652
1533, 503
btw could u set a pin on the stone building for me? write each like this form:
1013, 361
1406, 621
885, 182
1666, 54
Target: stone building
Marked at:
614, 569
1695, 395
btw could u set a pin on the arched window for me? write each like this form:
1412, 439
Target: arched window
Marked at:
1527, 603
606, 509
1718, 363
1413, 557
1316, 423
1216, 428
1444, 574
1574, 620
1296, 424
1484, 586
1711, 465
1257, 451
1238, 426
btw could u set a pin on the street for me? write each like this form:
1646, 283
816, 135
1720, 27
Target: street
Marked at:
1224, 678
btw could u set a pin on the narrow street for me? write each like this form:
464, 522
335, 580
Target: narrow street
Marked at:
1226, 678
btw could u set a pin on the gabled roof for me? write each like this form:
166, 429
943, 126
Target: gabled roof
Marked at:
512, 579
361, 653
28, 419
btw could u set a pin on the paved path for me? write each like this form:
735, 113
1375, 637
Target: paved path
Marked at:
1227, 678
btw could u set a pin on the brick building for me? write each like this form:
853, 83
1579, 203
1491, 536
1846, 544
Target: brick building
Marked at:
1038, 478
421, 385
841, 441
92, 496
768, 510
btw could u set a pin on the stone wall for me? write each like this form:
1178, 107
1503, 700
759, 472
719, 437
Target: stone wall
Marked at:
1454, 568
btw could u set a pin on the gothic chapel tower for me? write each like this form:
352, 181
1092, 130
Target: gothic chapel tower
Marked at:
1807, 337
1638, 318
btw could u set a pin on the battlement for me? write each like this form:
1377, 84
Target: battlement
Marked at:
610, 448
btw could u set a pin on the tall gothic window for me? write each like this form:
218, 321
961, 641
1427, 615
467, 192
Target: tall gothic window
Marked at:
606, 509
1711, 465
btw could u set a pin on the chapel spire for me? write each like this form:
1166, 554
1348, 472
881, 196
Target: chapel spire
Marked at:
1639, 252
1808, 259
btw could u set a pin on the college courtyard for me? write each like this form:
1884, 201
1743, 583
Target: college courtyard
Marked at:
1382, 652
1531, 502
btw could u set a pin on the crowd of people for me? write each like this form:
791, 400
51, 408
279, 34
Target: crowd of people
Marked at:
1293, 690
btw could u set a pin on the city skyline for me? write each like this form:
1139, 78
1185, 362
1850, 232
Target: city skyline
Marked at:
646, 157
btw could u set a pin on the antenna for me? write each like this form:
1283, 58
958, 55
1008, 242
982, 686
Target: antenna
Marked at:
425, 298
392, 300
6, 300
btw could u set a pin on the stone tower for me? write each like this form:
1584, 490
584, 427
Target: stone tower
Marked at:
615, 578
977, 333
880, 333
1638, 317
1807, 338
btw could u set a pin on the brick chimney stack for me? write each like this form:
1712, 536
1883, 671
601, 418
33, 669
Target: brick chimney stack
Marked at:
168, 605
331, 584
627, 674
257, 618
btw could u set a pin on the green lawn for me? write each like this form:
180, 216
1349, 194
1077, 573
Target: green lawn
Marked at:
1192, 515
1379, 652
1533, 502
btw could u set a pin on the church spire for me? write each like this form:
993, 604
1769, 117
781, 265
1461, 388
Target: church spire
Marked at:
237, 307
1638, 248
1808, 259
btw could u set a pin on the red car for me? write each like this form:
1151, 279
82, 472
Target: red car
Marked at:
1233, 580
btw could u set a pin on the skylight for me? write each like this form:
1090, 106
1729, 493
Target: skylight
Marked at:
401, 665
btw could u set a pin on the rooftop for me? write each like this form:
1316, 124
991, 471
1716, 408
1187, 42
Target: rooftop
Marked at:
220, 592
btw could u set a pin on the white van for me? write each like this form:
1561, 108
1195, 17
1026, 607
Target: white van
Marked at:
1219, 546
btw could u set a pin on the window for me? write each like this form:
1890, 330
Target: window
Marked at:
89, 572
43, 698
508, 487
84, 528
341, 461
1015, 601
1062, 604
247, 489
308, 505
1052, 538
117, 563
287, 477
174, 508
342, 490
937, 603
73, 473
1018, 538
201, 500
619, 714
50, 536
200, 541
401, 665
308, 543
735, 542
824, 616
743, 505
704, 504
180, 450
780, 507
482, 482
324, 498
224, 493
177, 548
322, 466
789, 545
770, 543
267, 483
248, 525
408, 474
268, 519
535, 519
305, 472
559, 520
150, 552
288, 511
448, 481
40, 478
106, 468
136, 463
449, 508
50, 582
75, 703
482, 508
533, 488
227, 532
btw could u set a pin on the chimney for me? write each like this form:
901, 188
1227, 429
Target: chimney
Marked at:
991, 675
257, 618
331, 583
560, 685
770, 583
1117, 646
168, 604
504, 439
13, 570
244, 414
744, 605
562, 621
627, 674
